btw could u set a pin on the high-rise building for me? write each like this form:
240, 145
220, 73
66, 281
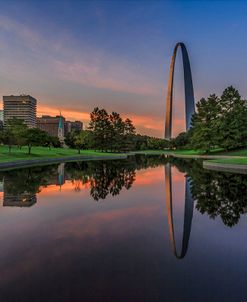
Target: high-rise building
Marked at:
1, 120
1, 115
21, 107
53, 125
73, 126
24, 199
67, 127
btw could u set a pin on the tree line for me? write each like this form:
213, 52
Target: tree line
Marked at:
219, 122
111, 133
16, 133
105, 132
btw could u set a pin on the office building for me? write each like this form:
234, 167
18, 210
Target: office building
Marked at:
53, 125
77, 126
73, 126
21, 107
1, 120
25, 199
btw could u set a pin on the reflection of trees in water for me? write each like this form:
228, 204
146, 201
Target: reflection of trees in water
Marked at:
217, 193
29, 179
109, 177
221, 194
21, 186
103, 177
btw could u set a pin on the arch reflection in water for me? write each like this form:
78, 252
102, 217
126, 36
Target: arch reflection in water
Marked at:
188, 213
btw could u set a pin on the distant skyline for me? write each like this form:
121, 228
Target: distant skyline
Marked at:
75, 55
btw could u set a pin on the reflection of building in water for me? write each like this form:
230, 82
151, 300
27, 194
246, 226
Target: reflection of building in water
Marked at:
21, 200
188, 213
61, 178
1, 186
20, 190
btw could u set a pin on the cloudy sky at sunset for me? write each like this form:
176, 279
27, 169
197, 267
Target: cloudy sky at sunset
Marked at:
75, 55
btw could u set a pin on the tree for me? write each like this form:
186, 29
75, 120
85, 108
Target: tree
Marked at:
129, 133
118, 128
17, 128
80, 140
70, 138
8, 138
102, 128
205, 124
35, 137
220, 122
233, 119
182, 139
155, 143
14, 133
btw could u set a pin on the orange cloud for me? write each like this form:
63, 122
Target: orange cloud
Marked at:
149, 125
143, 123
67, 113
149, 177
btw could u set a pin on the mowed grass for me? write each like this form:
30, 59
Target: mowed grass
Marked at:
43, 152
239, 152
233, 161
196, 152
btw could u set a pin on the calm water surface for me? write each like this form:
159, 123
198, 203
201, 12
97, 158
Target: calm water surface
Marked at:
142, 229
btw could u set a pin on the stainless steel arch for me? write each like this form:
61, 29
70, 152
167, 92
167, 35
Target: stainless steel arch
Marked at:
188, 213
188, 90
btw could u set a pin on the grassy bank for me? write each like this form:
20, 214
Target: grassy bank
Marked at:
231, 161
44, 153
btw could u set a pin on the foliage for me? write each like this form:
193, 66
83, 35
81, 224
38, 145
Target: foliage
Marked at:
220, 122
80, 140
35, 137
102, 129
14, 133
205, 124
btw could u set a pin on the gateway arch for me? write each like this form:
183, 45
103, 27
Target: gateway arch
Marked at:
188, 90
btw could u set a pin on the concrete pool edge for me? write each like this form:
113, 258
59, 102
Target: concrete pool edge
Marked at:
49, 161
224, 167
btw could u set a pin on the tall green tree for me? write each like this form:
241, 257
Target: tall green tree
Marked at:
205, 124
118, 129
129, 133
102, 128
35, 137
232, 131
17, 127
81, 139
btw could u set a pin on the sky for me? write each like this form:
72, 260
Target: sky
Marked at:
75, 55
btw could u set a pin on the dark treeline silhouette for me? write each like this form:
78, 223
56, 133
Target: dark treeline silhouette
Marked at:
219, 122
110, 132
104, 177
216, 193
110, 177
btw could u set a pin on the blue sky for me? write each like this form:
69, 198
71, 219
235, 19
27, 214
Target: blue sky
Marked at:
75, 55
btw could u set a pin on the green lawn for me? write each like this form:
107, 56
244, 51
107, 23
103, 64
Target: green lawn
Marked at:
237, 161
195, 152
42, 152
150, 152
240, 152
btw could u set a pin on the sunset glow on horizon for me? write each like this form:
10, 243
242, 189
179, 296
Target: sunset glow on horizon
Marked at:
116, 55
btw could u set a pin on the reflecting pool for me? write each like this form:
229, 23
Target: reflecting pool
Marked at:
142, 229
